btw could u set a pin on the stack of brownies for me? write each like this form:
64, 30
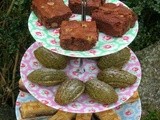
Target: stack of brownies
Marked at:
111, 19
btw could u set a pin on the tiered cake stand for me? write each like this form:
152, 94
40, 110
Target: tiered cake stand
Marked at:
106, 45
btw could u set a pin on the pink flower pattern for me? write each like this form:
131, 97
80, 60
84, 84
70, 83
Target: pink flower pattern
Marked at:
38, 23
49, 98
39, 33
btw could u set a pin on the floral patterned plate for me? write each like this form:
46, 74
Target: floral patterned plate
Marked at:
83, 104
105, 45
127, 111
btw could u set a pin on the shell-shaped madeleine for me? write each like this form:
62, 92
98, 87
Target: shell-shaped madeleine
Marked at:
69, 91
101, 92
118, 59
117, 77
47, 77
50, 59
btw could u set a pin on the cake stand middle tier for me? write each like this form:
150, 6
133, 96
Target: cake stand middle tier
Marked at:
84, 104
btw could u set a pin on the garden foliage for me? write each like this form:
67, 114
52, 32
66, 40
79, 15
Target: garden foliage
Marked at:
14, 40
149, 22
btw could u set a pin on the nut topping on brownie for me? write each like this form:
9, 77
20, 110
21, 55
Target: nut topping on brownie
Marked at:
114, 20
51, 12
78, 35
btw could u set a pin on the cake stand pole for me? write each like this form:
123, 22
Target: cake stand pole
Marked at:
81, 70
84, 7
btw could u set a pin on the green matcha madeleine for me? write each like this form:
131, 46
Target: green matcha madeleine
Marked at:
101, 92
50, 59
47, 77
117, 77
69, 91
118, 59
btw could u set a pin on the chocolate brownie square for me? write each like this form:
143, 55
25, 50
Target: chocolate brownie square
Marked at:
76, 7
128, 13
114, 20
51, 12
78, 35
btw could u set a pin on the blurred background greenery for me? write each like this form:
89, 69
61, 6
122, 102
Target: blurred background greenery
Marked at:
15, 39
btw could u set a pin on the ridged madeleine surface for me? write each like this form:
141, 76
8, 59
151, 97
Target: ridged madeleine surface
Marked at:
117, 77
50, 59
69, 91
118, 59
47, 77
101, 92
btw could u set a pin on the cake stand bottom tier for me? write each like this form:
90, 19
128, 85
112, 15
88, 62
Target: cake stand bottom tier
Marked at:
126, 111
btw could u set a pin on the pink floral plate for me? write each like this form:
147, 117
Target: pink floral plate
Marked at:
83, 104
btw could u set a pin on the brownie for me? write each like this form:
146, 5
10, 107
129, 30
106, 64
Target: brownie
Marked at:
128, 13
75, 6
114, 20
51, 12
78, 35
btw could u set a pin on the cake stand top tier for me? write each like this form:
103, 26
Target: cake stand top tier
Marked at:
106, 44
